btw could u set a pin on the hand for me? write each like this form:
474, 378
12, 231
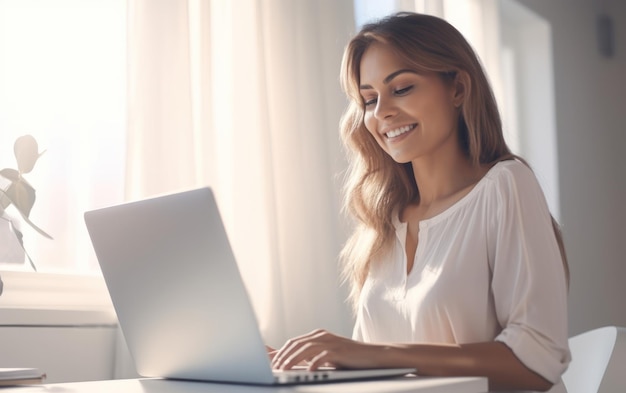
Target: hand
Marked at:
321, 348
271, 352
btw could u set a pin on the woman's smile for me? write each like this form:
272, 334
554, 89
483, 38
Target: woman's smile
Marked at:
395, 96
399, 131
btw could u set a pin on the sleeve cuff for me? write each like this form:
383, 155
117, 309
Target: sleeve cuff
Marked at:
537, 352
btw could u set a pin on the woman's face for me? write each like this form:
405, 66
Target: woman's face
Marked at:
411, 115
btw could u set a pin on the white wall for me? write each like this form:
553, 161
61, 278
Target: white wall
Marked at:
590, 94
65, 354
66, 345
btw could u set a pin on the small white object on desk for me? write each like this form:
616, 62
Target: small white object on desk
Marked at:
20, 376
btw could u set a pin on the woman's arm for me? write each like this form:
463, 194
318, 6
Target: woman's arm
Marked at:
493, 360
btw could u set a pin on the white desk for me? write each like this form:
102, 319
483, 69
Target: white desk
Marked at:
396, 385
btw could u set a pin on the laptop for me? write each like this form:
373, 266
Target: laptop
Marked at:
179, 297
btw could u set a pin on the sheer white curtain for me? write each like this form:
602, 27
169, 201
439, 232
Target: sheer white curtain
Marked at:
248, 101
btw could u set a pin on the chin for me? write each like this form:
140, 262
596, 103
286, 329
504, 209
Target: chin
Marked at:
401, 155
401, 158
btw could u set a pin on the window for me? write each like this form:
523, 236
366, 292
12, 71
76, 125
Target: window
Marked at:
62, 80
528, 80
367, 10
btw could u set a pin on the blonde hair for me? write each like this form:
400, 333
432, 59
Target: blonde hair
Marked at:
376, 186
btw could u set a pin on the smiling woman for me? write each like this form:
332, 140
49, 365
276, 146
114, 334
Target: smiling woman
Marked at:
454, 238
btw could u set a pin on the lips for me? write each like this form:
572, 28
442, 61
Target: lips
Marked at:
396, 132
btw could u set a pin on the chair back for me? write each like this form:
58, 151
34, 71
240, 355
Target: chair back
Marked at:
598, 361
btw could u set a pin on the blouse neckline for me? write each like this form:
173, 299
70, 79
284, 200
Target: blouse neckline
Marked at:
452, 208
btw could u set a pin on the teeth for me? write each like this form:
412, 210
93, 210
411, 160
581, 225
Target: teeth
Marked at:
399, 131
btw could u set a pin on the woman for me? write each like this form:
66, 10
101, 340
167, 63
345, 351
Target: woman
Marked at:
456, 265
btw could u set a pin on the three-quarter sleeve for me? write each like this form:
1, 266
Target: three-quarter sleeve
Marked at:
528, 282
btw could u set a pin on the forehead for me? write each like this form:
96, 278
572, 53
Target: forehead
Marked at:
378, 61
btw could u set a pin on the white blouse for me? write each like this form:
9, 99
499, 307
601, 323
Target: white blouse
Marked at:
487, 268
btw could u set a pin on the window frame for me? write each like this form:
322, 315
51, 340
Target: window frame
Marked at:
51, 299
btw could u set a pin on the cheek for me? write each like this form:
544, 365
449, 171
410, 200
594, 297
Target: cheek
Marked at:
370, 123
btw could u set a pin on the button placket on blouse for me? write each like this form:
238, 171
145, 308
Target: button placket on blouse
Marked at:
401, 290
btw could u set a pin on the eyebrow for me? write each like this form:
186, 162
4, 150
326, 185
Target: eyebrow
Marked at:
389, 78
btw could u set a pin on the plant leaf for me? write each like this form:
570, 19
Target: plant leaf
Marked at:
25, 217
4, 202
10, 174
26, 152
22, 195
13, 176
35, 227
20, 239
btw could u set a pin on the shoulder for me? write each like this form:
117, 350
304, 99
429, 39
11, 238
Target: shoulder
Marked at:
510, 169
515, 186
512, 175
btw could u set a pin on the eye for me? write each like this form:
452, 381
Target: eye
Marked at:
403, 91
370, 101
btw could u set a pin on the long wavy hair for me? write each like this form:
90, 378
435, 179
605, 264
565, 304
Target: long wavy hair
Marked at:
376, 186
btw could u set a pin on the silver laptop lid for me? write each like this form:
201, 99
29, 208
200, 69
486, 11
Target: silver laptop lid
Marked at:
177, 291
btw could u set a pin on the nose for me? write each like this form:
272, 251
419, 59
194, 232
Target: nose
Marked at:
384, 108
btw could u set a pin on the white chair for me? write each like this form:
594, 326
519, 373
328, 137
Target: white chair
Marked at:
598, 361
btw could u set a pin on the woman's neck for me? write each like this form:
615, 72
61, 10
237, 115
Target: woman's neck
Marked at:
441, 178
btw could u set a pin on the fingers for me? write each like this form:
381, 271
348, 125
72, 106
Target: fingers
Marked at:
302, 349
322, 359
295, 351
271, 352
290, 355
